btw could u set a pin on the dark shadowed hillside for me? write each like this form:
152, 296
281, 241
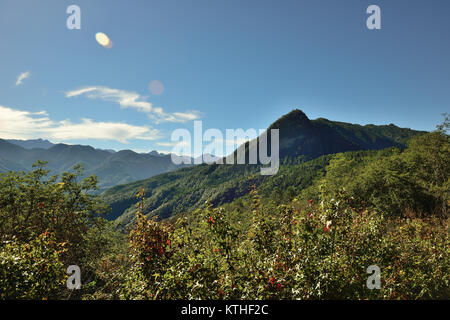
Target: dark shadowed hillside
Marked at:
300, 136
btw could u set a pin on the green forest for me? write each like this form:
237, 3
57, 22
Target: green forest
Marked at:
225, 232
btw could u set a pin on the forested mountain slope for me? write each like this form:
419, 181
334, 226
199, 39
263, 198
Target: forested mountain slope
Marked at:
306, 147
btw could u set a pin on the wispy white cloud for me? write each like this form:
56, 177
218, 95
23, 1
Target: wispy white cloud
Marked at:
147, 150
17, 124
126, 99
223, 146
131, 99
163, 151
174, 143
22, 76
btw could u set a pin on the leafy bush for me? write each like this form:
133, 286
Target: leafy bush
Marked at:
47, 224
300, 251
31, 270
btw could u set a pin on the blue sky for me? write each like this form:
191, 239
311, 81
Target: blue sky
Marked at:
231, 64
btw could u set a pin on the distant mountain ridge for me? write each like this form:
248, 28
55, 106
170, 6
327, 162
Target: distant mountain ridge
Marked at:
110, 167
32, 144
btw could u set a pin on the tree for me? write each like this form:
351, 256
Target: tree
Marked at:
50, 221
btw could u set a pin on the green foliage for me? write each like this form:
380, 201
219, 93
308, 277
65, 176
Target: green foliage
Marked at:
299, 251
428, 157
47, 224
187, 189
393, 181
31, 270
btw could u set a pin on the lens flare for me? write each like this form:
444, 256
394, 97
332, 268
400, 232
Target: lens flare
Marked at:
103, 40
156, 87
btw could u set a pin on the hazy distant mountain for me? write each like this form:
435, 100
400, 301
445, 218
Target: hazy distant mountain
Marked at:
127, 166
32, 144
301, 139
111, 167
156, 153
109, 150
7, 165
208, 158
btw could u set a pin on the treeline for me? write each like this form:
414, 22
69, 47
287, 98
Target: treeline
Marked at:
399, 183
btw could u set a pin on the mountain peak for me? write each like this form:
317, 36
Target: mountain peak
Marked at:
295, 118
297, 113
